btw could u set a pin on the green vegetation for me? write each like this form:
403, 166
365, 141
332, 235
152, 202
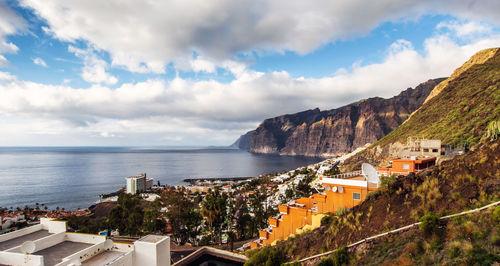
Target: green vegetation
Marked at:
327, 220
493, 130
333, 171
183, 215
430, 224
388, 183
467, 240
461, 113
268, 256
460, 184
131, 218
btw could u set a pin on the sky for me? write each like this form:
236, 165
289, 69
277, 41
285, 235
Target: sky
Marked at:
199, 73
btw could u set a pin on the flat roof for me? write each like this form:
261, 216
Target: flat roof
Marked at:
54, 254
20, 240
104, 258
151, 238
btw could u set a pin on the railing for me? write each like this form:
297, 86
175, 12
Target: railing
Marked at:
345, 175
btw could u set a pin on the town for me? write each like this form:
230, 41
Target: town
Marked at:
229, 214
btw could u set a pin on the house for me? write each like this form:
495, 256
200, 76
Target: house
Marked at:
406, 166
8, 219
48, 243
341, 191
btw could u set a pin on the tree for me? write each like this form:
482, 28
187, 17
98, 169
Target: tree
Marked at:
213, 209
260, 209
128, 215
183, 215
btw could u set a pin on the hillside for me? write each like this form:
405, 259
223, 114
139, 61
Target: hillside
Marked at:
336, 131
460, 111
464, 110
457, 112
468, 181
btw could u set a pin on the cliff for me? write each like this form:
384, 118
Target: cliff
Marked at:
336, 131
243, 142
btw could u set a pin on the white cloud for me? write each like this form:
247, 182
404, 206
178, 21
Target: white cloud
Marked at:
3, 61
10, 23
466, 29
94, 69
145, 36
202, 65
40, 62
214, 112
5, 76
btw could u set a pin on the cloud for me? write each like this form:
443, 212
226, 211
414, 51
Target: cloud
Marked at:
466, 28
5, 76
40, 62
173, 30
209, 111
10, 23
94, 69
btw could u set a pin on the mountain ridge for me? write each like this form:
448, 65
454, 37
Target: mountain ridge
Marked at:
336, 131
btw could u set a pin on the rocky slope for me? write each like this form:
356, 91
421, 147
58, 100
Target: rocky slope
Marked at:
468, 181
336, 131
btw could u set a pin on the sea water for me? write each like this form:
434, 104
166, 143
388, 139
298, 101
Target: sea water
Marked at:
73, 177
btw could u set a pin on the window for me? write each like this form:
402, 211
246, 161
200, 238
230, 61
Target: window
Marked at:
406, 166
434, 150
356, 196
426, 150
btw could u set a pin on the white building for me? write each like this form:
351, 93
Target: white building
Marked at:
7, 220
138, 184
48, 243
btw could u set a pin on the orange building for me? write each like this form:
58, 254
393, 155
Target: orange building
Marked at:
339, 193
406, 166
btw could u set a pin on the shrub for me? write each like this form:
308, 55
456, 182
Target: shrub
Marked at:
480, 256
327, 220
430, 224
388, 183
493, 130
325, 262
205, 240
373, 194
340, 256
267, 256
454, 249
496, 214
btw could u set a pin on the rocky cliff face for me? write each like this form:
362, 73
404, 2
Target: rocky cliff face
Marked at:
336, 131
243, 142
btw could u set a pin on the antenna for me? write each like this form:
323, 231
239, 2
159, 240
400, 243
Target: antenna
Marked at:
334, 189
341, 190
28, 247
108, 244
370, 173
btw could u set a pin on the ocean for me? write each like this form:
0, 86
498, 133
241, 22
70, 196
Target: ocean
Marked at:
73, 177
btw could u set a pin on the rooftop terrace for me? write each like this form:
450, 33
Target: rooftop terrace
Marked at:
8, 244
55, 254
